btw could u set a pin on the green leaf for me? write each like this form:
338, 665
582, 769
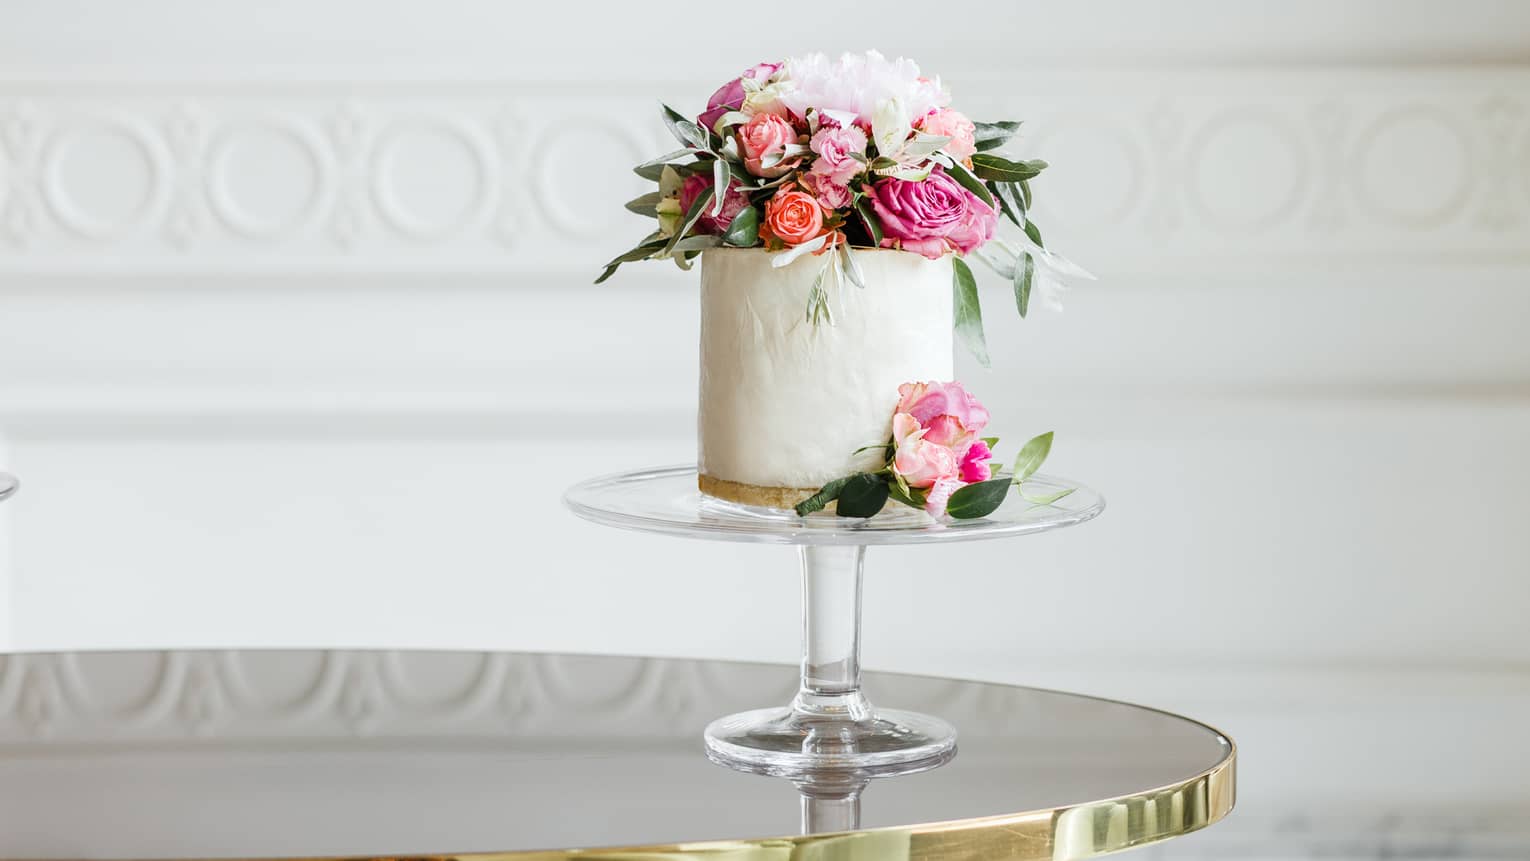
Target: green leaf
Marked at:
664, 159
851, 266
990, 135
910, 174
1025, 192
731, 118
825, 495
1046, 498
1012, 202
642, 252
1034, 233
884, 446
692, 215
992, 441
863, 495
1025, 271
882, 162
644, 205
1005, 209
1032, 455
869, 217
977, 500
650, 171
969, 313
720, 175
685, 131
744, 230
989, 166
961, 174
698, 243
908, 496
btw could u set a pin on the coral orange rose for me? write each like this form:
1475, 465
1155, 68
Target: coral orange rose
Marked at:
794, 217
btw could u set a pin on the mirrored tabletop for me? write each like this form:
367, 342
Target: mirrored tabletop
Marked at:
262, 754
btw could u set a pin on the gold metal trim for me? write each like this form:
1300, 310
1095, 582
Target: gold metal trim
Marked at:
1070, 833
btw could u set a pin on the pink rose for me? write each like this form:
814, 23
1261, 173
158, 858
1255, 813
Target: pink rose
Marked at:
730, 96
926, 402
939, 494
954, 125
836, 147
766, 135
923, 463
830, 194
974, 464
932, 215
734, 202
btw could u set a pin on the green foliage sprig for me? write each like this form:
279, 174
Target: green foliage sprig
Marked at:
865, 494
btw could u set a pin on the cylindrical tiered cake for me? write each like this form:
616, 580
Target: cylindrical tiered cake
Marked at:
785, 401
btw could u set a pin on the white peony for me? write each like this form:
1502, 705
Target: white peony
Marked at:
861, 84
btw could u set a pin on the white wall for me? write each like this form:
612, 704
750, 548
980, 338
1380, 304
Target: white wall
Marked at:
297, 346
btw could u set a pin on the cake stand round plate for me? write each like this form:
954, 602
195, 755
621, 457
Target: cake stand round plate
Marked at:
666, 500
830, 725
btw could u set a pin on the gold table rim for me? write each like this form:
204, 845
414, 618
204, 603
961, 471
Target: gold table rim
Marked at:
1069, 833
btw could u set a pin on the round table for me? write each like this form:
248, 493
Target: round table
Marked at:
263, 754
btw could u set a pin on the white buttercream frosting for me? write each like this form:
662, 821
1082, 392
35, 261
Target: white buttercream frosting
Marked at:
785, 402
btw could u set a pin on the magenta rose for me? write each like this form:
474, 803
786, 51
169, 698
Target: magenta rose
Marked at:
734, 202
730, 96
977, 225
931, 216
974, 465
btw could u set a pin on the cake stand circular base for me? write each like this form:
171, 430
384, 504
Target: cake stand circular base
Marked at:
829, 726
784, 743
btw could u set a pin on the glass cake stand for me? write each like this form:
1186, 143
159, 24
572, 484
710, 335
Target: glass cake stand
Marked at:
829, 725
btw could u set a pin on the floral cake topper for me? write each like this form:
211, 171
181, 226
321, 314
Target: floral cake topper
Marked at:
936, 461
819, 156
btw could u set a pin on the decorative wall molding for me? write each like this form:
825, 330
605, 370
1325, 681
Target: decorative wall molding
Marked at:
1355, 163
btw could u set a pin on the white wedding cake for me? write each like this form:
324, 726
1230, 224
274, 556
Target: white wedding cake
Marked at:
785, 401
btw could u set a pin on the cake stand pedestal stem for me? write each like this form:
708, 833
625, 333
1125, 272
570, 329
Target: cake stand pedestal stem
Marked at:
831, 808
831, 635
830, 730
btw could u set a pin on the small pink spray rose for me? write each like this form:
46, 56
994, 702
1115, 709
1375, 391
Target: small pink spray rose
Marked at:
836, 148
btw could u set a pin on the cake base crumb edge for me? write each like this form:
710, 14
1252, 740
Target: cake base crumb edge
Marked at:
783, 498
